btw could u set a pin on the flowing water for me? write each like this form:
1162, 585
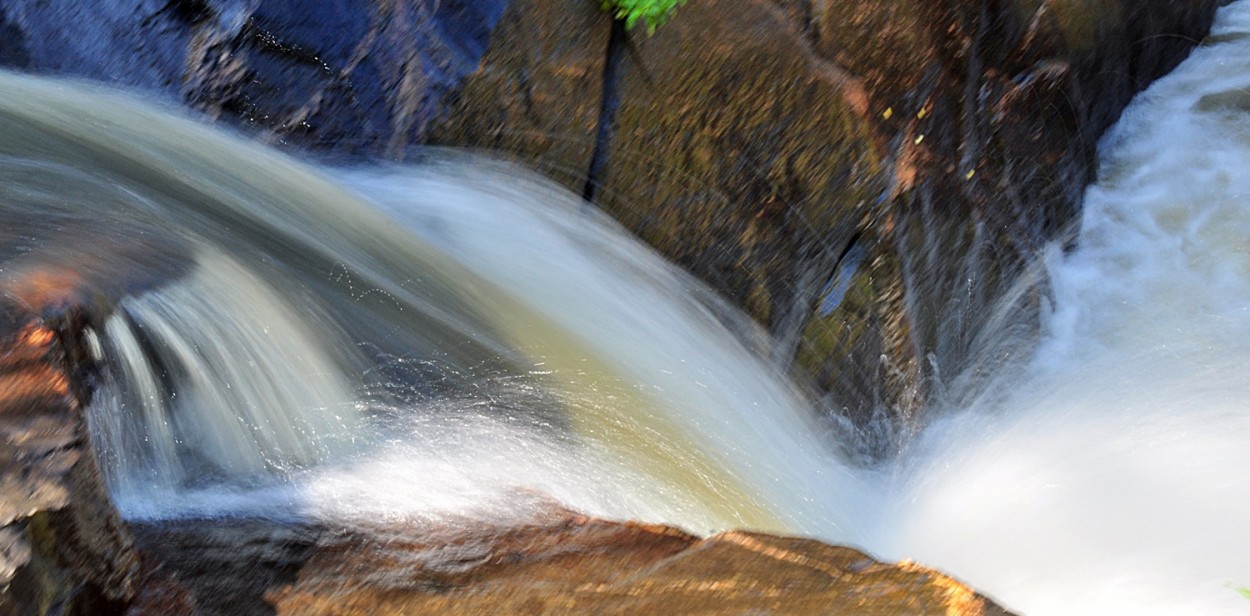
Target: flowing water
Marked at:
461, 338
398, 342
1111, 475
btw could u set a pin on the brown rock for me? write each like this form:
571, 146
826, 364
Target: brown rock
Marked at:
160, 592
866, 178
991, 112
537, 92
741, 154
63, 548
562, 563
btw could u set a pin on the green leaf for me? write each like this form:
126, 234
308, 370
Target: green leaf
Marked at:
1245, 592
654, 13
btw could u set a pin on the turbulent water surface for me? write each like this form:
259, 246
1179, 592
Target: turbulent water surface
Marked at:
460, 338
1110, 477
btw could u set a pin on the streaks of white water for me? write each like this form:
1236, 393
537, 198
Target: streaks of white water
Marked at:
253, 388
640, 367
700, 393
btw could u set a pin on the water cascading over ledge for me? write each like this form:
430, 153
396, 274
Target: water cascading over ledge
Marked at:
922, 482
417, 316
235, 385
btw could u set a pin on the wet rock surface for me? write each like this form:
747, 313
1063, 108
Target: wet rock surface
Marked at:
355, 77
558, 563
63, 547
866, 178
988, 115
537, 93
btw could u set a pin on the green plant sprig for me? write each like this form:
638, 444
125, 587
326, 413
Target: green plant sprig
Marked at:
654, 13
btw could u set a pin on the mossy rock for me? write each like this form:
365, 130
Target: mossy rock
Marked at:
739, 154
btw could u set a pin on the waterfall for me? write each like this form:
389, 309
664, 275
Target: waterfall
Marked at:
461, 338
220, 368
301, 340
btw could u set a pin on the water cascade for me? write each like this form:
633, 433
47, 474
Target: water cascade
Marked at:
461, 338
460, 322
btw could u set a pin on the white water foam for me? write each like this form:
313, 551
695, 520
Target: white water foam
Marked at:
1116, 476
669, 388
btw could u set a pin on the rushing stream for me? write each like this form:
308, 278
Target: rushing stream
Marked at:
1111, 476
461, 338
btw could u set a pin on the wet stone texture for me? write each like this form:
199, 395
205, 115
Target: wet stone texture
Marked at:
63, 548
343, 75
988, 114
558, 563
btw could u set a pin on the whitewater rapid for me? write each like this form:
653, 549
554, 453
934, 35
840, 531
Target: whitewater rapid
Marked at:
1113, 474
462, 338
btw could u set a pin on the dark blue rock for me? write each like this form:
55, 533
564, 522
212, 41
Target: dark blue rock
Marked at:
352, 76
126, 42
12, 45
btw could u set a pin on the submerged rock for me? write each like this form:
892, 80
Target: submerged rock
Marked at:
561, 563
